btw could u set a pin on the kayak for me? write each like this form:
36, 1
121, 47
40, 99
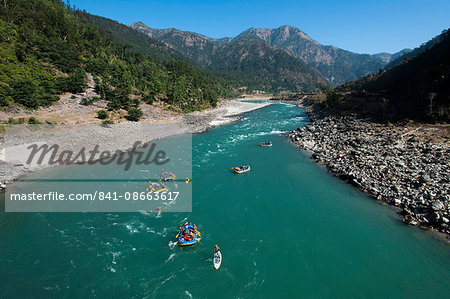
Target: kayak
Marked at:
265, 144
217, 260
156, 188
241, 170
188, 236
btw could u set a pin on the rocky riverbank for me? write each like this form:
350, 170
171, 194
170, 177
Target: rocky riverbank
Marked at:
404, 165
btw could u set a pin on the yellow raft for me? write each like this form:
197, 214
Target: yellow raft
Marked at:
156, 188
265, 144
242, 169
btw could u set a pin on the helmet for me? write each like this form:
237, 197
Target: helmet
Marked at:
216, 245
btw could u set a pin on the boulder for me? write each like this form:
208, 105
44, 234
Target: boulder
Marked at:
437, 205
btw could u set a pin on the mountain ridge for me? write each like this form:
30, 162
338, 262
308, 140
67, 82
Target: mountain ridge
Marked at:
417, 88
336, 65
388, 57
417, 51
288, 73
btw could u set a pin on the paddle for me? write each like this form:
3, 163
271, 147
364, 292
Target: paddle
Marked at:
176, 237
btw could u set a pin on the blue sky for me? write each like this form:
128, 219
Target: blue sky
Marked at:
359, 26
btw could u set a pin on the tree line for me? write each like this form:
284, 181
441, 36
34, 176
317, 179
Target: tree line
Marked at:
47, 48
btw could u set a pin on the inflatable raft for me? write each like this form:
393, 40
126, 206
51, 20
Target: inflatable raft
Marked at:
187, 235
265, 144
156, 188
242, 169
167, 176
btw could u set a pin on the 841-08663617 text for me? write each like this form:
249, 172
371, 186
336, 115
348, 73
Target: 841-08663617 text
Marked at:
97, 195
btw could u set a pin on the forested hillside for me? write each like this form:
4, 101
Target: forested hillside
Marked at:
413, 53
47, 48
417, 88
273, 69
141, 43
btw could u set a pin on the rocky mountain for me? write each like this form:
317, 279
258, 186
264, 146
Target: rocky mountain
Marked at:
388, 57
277, 69
336, 65
260, 64
193, 45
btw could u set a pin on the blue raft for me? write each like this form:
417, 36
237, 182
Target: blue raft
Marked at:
187, 235
167, 176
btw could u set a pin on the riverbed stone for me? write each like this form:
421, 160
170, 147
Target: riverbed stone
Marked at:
437, 205
389, 162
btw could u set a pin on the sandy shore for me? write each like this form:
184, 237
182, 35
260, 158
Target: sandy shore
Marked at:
119, 136
225, 113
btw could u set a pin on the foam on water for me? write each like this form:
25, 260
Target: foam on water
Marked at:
171, 256
172, 244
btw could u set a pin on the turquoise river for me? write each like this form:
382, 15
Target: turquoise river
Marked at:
286, 229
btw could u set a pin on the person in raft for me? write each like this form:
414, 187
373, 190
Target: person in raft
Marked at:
216, 249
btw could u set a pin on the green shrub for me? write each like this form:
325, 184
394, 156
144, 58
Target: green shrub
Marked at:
76, 82
114, 104
102, 114
107, 122
5, 99
332, 98
148, 98
18, 121
134, 114
33, 121
88, 101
